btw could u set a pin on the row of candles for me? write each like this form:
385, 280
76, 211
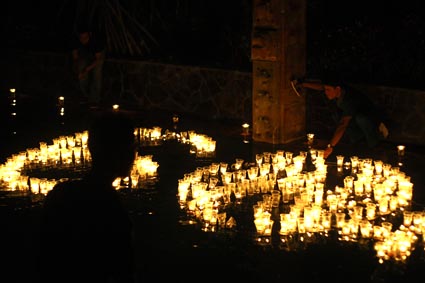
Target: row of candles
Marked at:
361, 207
64, 152
71, 152
201, 145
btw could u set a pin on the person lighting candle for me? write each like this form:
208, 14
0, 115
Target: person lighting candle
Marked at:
359, 118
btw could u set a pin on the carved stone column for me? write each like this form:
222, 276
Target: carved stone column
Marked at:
278, 53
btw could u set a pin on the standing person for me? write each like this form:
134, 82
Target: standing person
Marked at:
359, 117
86, 233
88, 55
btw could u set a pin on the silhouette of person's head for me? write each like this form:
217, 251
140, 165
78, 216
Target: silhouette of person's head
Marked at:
112, 145
84, 33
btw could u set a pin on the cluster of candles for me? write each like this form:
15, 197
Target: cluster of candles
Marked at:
360, 208
372, 191
65, 152
71, 152
143, 173
213, 186
149, 136
201, 144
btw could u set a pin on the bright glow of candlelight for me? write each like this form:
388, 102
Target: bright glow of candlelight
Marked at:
400, 150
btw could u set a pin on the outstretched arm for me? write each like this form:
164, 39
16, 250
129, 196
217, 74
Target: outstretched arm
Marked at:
75, 60
309, 83
316, 85
97, 61
86, 70
339, 132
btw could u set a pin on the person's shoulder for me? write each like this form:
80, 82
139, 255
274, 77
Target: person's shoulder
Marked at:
66, 184
63, 189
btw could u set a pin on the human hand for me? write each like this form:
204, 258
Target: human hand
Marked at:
82, 75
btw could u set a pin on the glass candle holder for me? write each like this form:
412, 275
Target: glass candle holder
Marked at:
400, 150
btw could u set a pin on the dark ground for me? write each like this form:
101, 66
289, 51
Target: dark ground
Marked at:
167, 247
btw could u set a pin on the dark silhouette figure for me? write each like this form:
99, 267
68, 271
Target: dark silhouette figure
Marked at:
88, 56
86, 232
359, 118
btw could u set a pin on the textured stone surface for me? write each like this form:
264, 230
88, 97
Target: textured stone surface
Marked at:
278, 53
209, 93
213, 93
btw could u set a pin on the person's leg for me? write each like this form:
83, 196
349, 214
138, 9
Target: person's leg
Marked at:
354, 133
93, 94
369, 129
96, 83
84, 82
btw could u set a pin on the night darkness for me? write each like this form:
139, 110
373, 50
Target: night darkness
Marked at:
375, 42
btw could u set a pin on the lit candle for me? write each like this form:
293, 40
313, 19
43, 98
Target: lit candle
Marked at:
245, 129
370, 210
400, 150
310, 137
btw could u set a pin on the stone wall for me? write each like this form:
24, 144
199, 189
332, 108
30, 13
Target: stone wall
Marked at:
207, 93
210, 93
204, 92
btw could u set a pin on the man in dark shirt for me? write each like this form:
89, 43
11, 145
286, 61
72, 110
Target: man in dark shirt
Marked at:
88, 55
86, 233
359, 117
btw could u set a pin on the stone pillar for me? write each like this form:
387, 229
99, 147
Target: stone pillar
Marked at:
278, 53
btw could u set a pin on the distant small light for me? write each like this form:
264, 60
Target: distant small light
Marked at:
115, 107
245, 132
400, 150
245, 129
61, 101
12, 90
13, 113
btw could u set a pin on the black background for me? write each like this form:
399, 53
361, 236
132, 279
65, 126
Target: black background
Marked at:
374, 42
